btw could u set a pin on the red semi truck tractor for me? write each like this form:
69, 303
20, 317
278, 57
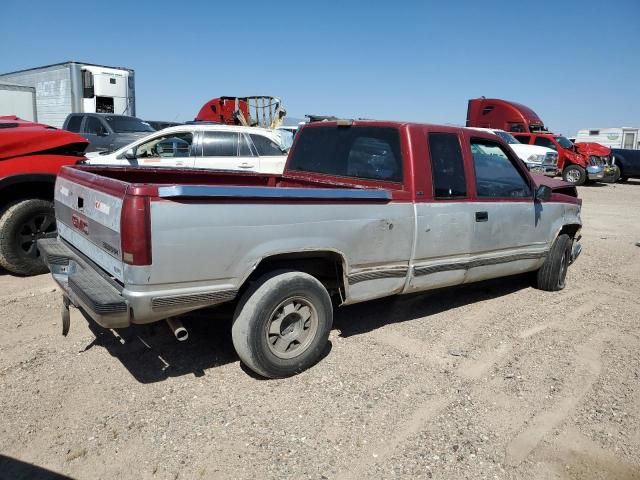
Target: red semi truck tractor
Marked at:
577, 163
30, 156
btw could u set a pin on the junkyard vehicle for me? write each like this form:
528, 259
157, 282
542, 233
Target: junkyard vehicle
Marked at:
364, 210
106, 133
541, 160
202, 145
577, 164
30, 156
74, 87
628, 163
254, 111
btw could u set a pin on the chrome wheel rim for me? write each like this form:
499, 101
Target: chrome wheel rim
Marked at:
564, 266
291, 328
573, 176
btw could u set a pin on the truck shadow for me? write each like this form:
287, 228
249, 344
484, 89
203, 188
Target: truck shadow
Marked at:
14, 469
152, 354
366, 317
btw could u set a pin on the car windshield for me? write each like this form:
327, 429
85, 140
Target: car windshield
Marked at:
564, 142
128, 124
507, 137
285, 139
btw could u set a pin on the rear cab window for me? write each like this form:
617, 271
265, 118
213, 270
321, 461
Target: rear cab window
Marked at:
361, 152
73, 125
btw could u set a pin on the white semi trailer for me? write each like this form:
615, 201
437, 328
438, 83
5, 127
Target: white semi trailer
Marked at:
75, 87
18, 100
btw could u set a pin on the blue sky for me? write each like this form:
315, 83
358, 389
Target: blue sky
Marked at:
576, 63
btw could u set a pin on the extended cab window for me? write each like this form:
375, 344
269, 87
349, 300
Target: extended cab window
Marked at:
220, 144
496, 175
522, 138
74, 123
361, 152
265, 146
447, 166
173, 145
545, 142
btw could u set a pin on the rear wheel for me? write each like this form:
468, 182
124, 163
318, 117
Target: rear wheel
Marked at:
574, 174
553, 273
21, 226
282, 323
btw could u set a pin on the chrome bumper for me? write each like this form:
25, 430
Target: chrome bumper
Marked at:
83, 287
546, 170
595, 172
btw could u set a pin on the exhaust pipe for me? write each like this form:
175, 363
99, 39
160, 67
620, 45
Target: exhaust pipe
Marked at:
178, 329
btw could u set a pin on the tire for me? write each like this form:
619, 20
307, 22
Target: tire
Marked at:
574, 174
271, 319
21, 225
553, 273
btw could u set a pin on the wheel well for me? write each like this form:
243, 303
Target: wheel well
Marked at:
13, 191
571, 229
327, 267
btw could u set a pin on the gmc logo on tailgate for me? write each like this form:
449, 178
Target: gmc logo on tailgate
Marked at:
80, 224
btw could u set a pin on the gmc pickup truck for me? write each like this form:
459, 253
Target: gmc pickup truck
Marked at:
363, 210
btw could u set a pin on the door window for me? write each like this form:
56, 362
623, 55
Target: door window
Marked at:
245, 147
94, 126
447, 166
522, 138
173, 145
545, 142
265, 146
220, 144
496, 175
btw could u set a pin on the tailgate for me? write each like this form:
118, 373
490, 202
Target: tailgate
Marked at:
89, 219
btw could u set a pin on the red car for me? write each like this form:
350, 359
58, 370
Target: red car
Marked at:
31, 155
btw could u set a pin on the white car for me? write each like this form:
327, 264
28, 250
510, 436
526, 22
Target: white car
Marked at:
539, 159
219, 147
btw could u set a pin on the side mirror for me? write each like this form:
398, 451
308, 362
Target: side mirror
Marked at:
129, 154
543, 193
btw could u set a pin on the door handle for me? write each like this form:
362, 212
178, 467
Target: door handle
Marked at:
482, 216
244, 165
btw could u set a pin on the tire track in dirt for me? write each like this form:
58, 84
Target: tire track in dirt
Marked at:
588, 369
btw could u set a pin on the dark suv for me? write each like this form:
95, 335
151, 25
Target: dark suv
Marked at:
106, 132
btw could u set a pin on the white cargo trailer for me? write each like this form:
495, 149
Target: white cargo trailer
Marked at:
18, 100
617, 137
75, 87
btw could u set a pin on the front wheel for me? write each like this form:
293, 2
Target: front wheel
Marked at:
553, 273
574, 174
21, 226
282, 324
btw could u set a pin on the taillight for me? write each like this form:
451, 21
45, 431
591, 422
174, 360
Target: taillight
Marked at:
135, 231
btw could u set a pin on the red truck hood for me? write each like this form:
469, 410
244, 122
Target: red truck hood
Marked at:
590, 148
19, 137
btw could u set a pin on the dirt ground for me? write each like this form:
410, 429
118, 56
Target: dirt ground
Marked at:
491, 381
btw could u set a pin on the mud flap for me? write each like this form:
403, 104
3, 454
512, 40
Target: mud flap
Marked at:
66, 316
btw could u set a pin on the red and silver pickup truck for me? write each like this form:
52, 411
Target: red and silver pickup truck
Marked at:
364, 210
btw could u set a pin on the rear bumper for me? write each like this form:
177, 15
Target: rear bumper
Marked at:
113, 306
97, 296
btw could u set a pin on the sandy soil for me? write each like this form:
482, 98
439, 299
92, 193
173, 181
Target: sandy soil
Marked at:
491, 381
